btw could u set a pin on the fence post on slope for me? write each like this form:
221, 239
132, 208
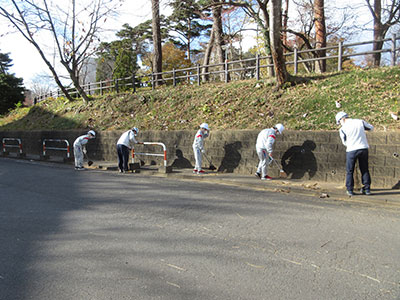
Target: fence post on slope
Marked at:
340, 55
393, 51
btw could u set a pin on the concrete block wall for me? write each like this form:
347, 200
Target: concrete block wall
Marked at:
307, 155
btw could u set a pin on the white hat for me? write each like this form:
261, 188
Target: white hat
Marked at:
92, 133
205, 126
280, 128
340, 115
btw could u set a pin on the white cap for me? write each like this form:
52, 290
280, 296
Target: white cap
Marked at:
205, 126
92, 133
340, 115
280, 127
135, 129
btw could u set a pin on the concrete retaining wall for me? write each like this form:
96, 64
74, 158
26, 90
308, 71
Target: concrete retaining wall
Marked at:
316, 155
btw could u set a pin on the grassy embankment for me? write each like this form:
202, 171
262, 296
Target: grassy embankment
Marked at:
369, 94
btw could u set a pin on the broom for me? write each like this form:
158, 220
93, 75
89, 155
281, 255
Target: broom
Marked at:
212, 167
282, 174
89, 161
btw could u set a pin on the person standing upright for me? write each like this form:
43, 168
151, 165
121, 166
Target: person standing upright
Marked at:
124, 146
353, 136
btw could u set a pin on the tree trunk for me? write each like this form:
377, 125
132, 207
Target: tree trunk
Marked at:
218, 41
276, 44
285, 18
189, 37
157, 51
265, 29
378, 32
207, 54
320, 35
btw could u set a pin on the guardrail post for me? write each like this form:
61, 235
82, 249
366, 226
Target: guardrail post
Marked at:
295, 58
340, 56
67, 148
152, 81
19, 146
198, 74
393, 50
174, 77
257, 67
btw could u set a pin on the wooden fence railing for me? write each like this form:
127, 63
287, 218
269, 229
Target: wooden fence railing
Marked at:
230, 70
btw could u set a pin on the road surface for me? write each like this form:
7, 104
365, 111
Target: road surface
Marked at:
68, 234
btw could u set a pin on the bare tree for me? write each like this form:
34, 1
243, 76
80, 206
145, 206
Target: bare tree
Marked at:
73, 29
275, 15
42, 84
384, 16
320, 34
216, 40
339, 22
257, 10
157, 50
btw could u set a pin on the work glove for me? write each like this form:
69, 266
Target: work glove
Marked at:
84, 151
203, 151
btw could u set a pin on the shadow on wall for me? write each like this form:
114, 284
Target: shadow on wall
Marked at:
41, 119
232, 157
396, 186
181, 162
299, 160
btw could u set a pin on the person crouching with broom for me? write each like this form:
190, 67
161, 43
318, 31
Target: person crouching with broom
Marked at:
264, 147
198, 147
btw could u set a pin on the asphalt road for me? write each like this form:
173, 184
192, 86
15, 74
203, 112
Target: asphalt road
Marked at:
102, 235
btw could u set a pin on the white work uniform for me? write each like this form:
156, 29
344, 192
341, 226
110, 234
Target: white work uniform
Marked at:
127, 139
353, 136
264, 146
78, 154
198, 146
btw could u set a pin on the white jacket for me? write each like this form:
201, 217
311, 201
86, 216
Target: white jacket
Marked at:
266, 139
352, 134
127, 139
82, 140
198, 142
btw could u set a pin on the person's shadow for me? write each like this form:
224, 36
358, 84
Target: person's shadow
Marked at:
181, 162
299, 160
231, 158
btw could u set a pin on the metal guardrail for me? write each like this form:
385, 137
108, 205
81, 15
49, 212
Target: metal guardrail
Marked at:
45, 148
164, 154
12, 145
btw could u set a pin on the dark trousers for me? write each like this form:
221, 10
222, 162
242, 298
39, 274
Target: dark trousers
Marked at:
351, 158
123, 157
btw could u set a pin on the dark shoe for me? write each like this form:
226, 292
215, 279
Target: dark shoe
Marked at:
201, 172
257, 175
350, 193
195, 171
365, 192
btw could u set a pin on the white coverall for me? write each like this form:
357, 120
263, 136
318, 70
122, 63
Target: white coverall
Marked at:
198, 147
127, 139
264, 147
78, 144
124, 145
